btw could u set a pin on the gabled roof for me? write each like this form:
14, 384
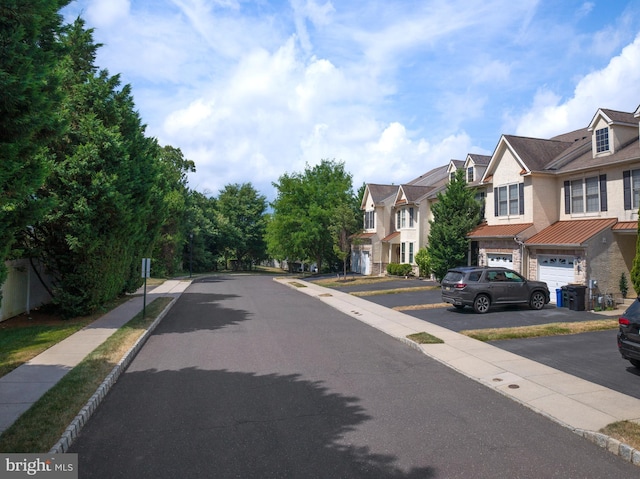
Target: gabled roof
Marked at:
412, 193
570, 233
498, 231
613, 117
454, 165
379, 193
478, 160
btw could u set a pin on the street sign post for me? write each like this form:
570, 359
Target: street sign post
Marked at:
146, 273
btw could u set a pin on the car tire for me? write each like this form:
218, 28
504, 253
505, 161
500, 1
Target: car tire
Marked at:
481, 304
459, 307
537, 300
635, 362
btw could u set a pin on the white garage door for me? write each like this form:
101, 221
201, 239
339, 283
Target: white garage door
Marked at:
556, 271
504, 260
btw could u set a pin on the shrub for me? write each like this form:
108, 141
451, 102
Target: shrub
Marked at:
624, 286
423, 262
395, 269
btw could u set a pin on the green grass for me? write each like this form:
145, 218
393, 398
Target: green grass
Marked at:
394, 291
425, 338
551, 329
40, 427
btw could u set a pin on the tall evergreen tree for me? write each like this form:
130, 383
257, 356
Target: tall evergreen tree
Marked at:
455, 214
107, 205
29, 101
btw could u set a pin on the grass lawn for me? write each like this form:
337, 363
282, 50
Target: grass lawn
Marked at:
550, 329
40, 427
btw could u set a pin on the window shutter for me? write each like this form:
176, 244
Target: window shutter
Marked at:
567, 198
521, 197
603, 192
495, 201
626, 181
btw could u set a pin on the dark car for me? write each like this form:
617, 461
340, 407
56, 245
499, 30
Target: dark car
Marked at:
629, 334
481, 287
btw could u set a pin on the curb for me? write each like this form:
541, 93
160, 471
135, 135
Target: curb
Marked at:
73, 430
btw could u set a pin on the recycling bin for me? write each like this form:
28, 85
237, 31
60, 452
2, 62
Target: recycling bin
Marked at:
559, 298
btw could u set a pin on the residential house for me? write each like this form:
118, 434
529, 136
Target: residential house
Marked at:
396, 222
564, 210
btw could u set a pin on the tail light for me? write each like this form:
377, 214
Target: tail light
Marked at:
460, 285
623, 321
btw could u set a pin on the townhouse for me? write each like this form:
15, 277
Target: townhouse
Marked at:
563, 210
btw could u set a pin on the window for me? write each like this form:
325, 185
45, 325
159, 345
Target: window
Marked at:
631, 183
369, 220
470, 174
403, 218
411, 253
402, 252
452, 176
509, 200
602, 140
587, 195
410, 217
398, 220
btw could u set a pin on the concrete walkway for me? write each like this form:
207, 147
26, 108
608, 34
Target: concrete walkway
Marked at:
26, 384
580, 405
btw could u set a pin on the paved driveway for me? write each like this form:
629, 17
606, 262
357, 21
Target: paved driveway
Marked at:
591, 356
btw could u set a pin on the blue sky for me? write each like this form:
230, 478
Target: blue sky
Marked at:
251, 90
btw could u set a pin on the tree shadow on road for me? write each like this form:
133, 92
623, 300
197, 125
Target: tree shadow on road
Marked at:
196, 423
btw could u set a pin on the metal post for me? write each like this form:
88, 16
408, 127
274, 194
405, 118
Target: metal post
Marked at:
190, 254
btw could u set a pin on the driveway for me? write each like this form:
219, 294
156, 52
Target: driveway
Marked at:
590, 356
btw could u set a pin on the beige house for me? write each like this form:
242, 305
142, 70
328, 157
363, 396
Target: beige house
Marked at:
565, 210
396, 222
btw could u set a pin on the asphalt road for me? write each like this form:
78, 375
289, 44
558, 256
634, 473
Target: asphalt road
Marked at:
247, 378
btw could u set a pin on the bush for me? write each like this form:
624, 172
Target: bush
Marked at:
395, 269
424, 263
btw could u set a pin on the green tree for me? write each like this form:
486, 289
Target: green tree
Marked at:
174, 231
303, 212
28, 110
345, 222
455, 214
243, 209
107, 207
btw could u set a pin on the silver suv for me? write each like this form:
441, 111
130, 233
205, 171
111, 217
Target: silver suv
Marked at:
481, 287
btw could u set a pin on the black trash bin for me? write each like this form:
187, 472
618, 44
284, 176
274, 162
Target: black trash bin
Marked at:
577, 297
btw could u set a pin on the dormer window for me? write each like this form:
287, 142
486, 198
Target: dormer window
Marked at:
452, 176
470, 174
602, 140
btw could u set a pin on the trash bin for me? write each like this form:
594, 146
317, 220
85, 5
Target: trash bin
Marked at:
577, 297
559, 298
565, 297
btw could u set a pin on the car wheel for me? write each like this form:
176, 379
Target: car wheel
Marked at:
481, 304
537, 300
635, 362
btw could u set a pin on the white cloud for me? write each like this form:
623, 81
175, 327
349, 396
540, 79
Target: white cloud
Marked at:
104, 13
614, 87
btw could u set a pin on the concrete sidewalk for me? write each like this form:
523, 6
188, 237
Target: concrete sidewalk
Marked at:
580, 405
26, 384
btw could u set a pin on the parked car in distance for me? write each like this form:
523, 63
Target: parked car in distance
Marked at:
481, 287
629, 334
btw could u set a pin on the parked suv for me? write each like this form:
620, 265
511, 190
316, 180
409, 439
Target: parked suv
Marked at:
481, 287
629, 334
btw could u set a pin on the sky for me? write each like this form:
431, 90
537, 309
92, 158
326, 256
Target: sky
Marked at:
252, 90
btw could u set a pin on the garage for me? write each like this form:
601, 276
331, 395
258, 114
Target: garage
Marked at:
500, 259
556, 271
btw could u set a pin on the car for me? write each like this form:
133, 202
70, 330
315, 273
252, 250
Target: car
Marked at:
482, 287
629, 334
